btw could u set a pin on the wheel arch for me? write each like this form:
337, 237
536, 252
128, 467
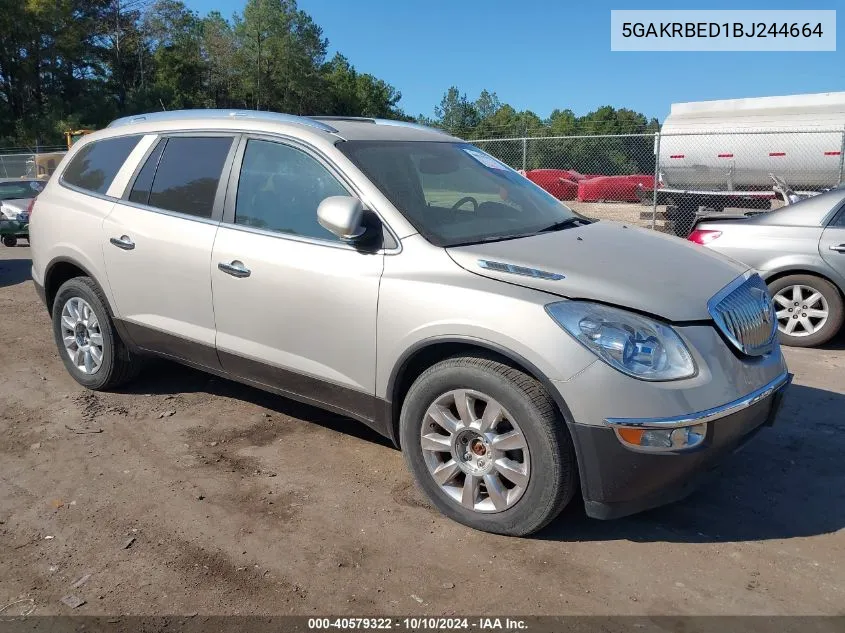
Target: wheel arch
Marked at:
427, 352
812, 272
60, 270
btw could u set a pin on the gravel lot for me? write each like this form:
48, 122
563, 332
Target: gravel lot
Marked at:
188, 494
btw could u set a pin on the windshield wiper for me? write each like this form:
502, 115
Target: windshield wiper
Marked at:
564, 224
492, 238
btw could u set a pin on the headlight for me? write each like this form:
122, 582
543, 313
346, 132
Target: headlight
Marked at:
633, 344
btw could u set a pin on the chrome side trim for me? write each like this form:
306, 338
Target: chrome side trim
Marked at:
503, 267
172, 214
296, 238
709, 415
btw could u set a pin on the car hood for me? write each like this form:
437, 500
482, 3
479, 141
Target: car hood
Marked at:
609, 262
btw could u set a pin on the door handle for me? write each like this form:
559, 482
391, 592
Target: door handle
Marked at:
839, 248
236, 269
124, 242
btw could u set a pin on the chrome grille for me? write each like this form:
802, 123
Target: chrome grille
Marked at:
743, 311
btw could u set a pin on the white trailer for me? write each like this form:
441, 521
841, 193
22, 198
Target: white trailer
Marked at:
736, 143
719, 154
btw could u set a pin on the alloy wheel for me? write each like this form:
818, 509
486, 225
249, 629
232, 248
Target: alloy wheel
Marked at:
82, 336
801, 310
475, 451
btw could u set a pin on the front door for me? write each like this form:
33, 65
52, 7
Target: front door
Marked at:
295, 307
157, 244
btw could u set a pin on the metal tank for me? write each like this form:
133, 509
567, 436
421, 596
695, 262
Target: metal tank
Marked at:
735, 144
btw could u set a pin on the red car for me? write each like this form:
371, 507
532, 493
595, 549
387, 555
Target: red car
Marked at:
561, 183
616, 188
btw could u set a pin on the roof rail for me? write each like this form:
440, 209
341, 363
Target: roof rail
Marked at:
409, 124
357, 119
394, 122
176, 115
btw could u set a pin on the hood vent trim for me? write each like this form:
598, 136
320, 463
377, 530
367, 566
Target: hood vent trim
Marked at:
513, 269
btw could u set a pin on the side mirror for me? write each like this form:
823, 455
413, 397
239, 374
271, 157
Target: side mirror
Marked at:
343, 216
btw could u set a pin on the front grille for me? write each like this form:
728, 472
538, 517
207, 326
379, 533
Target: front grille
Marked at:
744, 312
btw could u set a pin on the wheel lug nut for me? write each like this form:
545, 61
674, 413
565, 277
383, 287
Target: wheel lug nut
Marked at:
480, 463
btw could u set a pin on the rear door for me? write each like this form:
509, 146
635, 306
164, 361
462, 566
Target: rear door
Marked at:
832, 246
157, 243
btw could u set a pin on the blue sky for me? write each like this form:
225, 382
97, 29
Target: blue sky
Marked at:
546, 54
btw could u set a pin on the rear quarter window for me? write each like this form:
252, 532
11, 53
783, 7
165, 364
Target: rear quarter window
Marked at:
95, 165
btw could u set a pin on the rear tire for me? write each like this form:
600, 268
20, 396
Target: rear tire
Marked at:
800, 300
528, 417
10, 241
88, 343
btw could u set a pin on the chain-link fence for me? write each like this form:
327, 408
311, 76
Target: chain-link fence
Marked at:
20, 163
696, 173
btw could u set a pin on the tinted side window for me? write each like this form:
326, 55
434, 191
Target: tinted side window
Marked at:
144, 182
95, 165
188, 174
280, 189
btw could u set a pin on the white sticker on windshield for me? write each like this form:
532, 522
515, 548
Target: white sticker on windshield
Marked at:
35, 185
485, 159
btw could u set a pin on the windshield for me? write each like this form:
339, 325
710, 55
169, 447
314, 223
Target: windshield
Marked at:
453, 193
19, 189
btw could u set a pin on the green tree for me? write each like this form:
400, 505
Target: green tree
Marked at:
280, 53
456, 114
219, 48
179, 73
351, 93
487, 104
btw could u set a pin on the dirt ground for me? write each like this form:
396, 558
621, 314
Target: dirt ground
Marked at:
190, 494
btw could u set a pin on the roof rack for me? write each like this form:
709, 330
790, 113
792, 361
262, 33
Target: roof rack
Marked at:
393, 122
176, 115
417, 126
355, 119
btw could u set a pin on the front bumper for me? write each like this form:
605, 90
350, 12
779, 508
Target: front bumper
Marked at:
617, 481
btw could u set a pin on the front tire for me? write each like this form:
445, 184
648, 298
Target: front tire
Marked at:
88, 343
809, 310
488, 446
10, 241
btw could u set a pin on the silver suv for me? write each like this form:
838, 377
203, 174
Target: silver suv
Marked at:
515, 350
